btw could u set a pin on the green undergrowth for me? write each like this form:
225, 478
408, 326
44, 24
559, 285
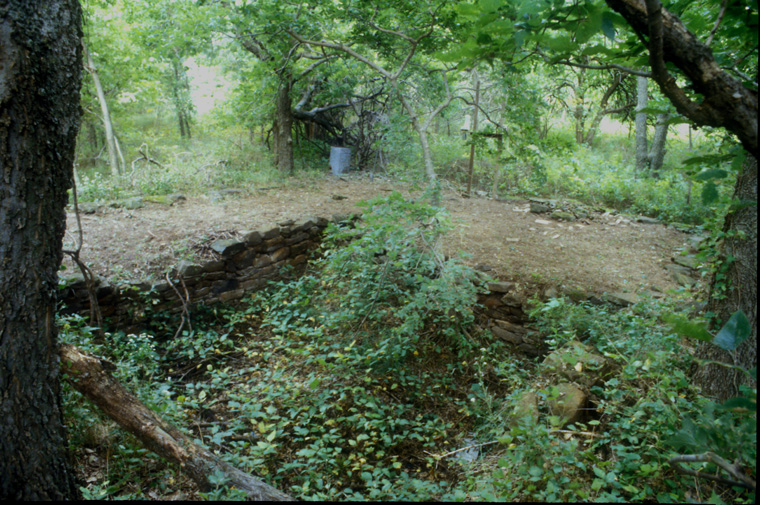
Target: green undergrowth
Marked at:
359, 379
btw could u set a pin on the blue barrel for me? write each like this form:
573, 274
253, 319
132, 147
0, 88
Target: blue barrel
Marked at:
340, 159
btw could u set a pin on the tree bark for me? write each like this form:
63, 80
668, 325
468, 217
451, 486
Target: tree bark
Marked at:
642, 155
113, 159
87, 375
283, 127
729, 104
738, 291
657, 153
40, 79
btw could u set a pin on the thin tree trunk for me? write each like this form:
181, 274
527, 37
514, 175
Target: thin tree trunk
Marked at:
113, 160
642, 155
283, 128
657, 153
471, 166
737, 291
40, 81
88, 376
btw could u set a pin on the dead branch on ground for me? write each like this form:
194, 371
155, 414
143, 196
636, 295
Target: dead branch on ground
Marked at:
87, 374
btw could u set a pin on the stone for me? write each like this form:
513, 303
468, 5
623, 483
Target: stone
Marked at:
304, 224
253, 237
551, 292
280, 254
501, 287
622, 299
561, 215
89, 207
514, 328
539, 208
189, 269
231, 295
262, 261
269, 234
647, 220
526, 406
506, 335
577, 362
159, 199
568, 404
133, 203
681, 274
575, 294
213, 266
274, 243
688, 261
227, 246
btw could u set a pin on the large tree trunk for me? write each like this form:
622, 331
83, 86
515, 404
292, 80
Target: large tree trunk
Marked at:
727, 103
40, 78
88, 376
603, 110
741, 292
642, 156
113, 159
283, 128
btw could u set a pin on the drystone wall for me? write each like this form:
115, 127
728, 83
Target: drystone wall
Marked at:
241, 266
246, 265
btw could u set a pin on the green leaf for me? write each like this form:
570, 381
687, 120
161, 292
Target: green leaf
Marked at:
734, 332
713, 173
739, 403
710, 193
688, 328
608, 25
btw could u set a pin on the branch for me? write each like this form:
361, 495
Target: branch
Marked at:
88, 375
317, 63
727, 102
345, 49
717, 23
735, 471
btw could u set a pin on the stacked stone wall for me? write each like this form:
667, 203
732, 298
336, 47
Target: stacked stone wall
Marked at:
240, 267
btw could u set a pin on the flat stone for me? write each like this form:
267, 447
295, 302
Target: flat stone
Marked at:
539, 208
227, 246
507, 336
253, 237
577, 362
560, 215
622, 299
647, 220
136, 202
687, 261
514, 328
189, 269
501, 287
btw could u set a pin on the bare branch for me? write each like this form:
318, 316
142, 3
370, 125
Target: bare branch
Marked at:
717, 23
734, 470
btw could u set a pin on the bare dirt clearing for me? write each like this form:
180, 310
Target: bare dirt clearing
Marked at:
599, 253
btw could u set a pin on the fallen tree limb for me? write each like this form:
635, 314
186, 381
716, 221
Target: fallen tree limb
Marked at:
89, 375
735, 471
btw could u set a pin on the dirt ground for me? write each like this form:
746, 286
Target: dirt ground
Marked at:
601, 253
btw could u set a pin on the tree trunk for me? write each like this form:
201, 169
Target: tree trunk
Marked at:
657, 153
40, 78
113, 159
283, 127
603, 111
738, 291
88, 376
642, 156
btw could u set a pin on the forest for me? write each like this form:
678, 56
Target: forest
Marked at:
344, 250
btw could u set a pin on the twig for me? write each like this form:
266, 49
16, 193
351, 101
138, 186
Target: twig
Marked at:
95, 314
462, 449
734, 470
184, 301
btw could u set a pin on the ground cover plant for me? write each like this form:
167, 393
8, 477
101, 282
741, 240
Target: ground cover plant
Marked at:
357, 379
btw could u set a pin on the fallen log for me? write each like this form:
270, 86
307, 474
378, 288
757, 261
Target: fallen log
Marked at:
90, 376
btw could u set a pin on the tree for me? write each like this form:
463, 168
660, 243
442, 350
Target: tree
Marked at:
40, 78
398, 45
726, 102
